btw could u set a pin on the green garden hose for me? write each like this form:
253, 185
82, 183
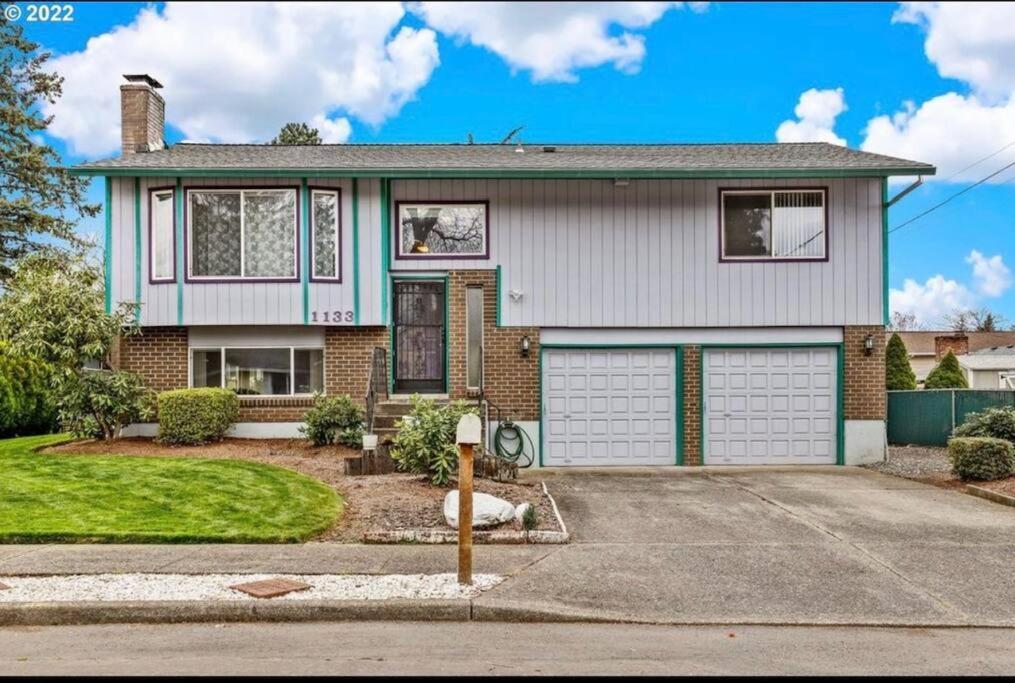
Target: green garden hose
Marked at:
508, 431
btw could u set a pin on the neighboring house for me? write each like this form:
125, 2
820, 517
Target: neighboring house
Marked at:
926, 349
626, 304
990, 368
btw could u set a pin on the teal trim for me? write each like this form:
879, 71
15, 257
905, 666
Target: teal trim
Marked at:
447, 345
180, 265
107, 259
137, 250
385, 248
355, 251
840, 436
539, 412
498, 320
305, 249
385, 173
884, 251
679, 411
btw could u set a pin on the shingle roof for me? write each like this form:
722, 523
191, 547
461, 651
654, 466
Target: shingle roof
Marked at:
988, 361
583, 159
922, 343
1007, 350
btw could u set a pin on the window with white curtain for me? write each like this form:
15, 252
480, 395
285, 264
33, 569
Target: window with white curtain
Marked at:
163, 242
774, 224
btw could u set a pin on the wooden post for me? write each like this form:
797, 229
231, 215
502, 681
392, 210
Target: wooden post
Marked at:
465, 514
467, 435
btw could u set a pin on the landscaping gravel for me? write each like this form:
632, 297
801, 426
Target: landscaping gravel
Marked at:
914, 462
159, 587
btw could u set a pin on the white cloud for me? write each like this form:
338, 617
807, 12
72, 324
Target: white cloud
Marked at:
931, 301
975, 43
552, 39
816, 113
990, 275
239, 74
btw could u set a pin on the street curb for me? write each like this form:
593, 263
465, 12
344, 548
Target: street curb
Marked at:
992, 496
193, 611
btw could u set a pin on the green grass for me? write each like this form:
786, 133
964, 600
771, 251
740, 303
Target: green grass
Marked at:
120, 499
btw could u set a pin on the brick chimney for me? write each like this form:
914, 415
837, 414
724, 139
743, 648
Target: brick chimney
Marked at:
142, 114
956, 343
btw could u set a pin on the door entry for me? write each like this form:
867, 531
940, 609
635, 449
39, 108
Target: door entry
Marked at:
419, 336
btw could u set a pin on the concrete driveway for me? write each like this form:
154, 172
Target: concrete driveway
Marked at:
790, 546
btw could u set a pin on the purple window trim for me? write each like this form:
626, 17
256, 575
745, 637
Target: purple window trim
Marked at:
237, 279
151, 242
338, 234
768, 259
397, 227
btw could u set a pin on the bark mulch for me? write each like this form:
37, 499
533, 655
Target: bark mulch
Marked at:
385, 502
930, 465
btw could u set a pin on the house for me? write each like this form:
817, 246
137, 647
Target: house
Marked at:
926, 349
625, 304
990, 368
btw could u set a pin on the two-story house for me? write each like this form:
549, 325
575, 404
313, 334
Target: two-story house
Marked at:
626, 304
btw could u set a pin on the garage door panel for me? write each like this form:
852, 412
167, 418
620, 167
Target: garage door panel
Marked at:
621, 411
770, 406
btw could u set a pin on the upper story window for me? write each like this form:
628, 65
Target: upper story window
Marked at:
774, 224
442, 229
162, 235
325, 241
242, 234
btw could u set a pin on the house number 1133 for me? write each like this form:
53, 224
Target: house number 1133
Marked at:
331, 316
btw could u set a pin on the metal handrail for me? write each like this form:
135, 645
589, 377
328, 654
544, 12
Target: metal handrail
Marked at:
377, 384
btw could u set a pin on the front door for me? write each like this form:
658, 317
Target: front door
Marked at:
419, 336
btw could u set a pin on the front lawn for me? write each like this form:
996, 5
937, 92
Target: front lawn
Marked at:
59, 498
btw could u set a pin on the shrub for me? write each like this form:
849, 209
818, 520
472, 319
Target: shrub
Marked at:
196, 416
103, 402
997, 423
27, 404
425, 443
898, 372
981, 458
947, 375
530, 518
334, 419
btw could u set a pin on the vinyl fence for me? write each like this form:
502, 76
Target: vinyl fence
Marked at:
926, 417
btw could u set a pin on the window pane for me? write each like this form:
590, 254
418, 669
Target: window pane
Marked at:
798, 225
215, 234
458, 229
269, 228
207, 368
747, 224
474, 335
309, 370
258, 371
325, 234
162, 236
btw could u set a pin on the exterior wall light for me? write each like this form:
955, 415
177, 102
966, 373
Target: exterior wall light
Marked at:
868, 345
525, 346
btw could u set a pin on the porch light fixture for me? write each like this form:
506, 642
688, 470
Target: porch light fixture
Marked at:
868, 345
526, 345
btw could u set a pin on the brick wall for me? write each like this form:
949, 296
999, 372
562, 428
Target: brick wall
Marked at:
864, 394
159, 355
510, 380
273, 409
347, 352
956, 343
692, 405
142, 118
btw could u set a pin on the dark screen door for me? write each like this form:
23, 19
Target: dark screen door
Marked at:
419, 336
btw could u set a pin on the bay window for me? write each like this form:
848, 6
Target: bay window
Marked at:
242, 234
260, 371
773, 224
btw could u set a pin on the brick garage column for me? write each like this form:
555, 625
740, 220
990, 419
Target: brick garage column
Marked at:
510, 381
864, 396
159, 355
692, 406
347, 354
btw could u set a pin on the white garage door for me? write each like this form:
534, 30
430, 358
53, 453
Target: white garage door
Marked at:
770, 406
609, 407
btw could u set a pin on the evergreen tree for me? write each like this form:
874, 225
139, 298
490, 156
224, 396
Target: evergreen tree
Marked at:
899, 373
297, 134
947, 375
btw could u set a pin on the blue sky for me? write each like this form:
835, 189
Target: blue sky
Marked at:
722, 72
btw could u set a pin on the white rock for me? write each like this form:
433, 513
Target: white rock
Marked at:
487, 510
520, 512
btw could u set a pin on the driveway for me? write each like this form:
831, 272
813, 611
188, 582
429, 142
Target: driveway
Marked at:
835, 545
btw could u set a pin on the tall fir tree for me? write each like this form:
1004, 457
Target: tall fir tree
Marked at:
947, 375
297, 134
899, 373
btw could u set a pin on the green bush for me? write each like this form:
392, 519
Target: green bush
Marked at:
898, 372
27, 404
334, 419
425, 443
196, 416
997, 423
947, 375
101, 403
981, 458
